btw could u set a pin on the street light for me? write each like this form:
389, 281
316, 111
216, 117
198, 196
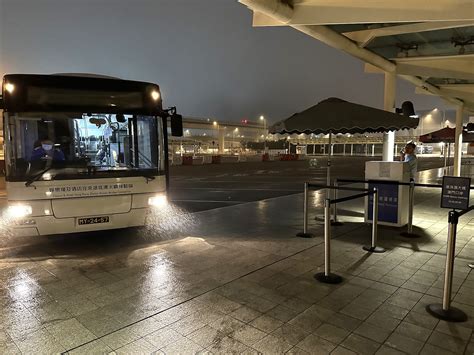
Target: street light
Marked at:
216, 125
262, 118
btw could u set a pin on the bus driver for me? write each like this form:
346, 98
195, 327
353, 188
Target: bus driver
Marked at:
45, 150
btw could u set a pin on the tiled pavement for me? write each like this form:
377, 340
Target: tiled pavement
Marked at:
236, 280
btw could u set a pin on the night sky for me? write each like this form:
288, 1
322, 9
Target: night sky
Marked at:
204, 54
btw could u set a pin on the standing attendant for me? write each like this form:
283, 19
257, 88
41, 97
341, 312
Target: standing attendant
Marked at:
408, 155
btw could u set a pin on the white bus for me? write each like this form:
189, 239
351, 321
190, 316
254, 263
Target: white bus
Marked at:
83, 153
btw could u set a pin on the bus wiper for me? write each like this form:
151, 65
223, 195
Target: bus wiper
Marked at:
36, 177
148, 177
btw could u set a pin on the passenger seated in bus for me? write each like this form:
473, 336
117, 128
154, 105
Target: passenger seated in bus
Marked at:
45, 150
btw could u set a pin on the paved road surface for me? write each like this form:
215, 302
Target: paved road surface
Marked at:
197, 188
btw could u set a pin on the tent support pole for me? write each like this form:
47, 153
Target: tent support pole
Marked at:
458, 141
328, 171
445, 151
449, 153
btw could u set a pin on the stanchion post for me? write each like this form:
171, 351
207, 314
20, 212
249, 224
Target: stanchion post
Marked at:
411, 204
411, 199
373, 248
375, 217
334, 221
444, 311
327, 276
305, 233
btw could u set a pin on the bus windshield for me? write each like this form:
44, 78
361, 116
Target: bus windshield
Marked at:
65, 145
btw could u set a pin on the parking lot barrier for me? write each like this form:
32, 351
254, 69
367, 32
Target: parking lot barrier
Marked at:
305, 233
411, 205
373, 248
334, 221
327, 276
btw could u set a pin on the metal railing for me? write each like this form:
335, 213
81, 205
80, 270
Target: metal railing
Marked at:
327, 276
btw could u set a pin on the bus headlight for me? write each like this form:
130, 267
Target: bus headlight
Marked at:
19, 211
9, 87
158, 201
155, 95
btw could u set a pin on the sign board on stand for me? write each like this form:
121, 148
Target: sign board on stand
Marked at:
388, 202
455, 192
393, 198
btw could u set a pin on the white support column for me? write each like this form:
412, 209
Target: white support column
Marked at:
458, 141
221, 140
390, 88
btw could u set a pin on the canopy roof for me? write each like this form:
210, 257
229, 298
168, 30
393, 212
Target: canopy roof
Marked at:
429, 43
445, 135
334, 115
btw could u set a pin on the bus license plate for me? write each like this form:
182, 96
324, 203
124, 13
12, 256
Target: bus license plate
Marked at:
93, 220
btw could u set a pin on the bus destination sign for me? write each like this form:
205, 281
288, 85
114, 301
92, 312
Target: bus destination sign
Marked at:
89, 190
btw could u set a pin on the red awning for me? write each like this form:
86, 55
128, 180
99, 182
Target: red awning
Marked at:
445, 135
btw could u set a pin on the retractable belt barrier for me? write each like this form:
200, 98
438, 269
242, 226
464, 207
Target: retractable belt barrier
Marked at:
327, 276
411, 199
444, 311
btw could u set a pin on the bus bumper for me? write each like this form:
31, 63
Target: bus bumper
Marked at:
50, 225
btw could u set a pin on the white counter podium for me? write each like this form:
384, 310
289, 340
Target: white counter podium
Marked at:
393, 199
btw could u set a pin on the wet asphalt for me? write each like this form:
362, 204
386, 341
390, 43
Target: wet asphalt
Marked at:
204, 187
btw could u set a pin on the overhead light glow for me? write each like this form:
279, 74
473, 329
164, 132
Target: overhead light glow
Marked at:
10, 87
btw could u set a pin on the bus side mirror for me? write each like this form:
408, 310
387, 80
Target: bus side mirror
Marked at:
176, 125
